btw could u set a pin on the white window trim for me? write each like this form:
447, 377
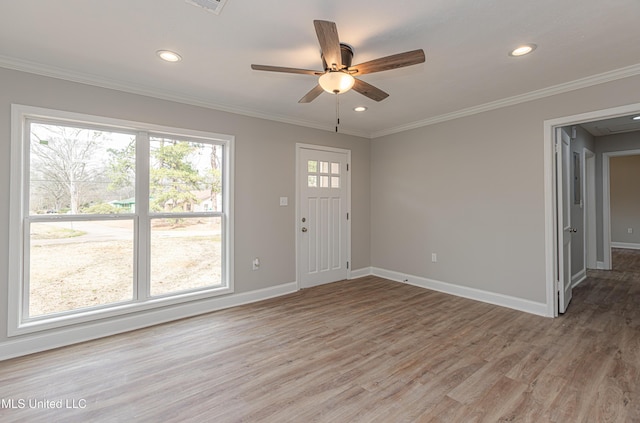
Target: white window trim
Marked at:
18, 205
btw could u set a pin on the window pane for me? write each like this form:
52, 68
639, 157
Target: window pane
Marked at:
185, 176
335, 168
75, 265
312, 181
80, 171
335, 182
312, 166
185, 254
324, 167
324, 182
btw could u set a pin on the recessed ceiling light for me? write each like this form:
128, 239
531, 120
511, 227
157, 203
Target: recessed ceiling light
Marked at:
360, 109
169, 56
522, 50
636, 117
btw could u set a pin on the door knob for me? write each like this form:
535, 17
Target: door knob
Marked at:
304, 229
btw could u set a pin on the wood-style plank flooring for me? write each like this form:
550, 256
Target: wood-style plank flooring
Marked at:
367, 350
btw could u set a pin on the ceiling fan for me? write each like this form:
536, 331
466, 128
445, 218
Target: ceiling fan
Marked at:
338, 75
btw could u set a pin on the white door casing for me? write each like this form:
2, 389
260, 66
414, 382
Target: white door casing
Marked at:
589, 184
322, 214
563, 169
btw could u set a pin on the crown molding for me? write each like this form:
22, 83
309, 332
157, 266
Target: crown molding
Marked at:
162, 94
577, 84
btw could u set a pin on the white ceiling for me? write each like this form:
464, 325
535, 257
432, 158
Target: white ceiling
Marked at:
613, 126
113, 43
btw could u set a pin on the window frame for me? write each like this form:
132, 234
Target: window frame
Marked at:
18, 320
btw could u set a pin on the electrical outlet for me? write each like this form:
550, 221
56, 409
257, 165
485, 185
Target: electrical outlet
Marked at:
434, 257
630, 230
284, 201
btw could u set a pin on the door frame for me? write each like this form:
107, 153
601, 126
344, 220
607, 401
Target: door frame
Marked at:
550, 190
589, 204
297, 226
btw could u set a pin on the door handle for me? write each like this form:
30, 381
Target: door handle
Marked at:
304, 229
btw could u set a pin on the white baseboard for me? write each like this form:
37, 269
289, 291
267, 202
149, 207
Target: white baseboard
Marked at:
359, 273
600, 265
627, 245
515, 303
36, 342
41, 341
578, 278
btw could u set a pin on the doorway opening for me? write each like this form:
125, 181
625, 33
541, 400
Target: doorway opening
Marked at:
596, 248
607, 218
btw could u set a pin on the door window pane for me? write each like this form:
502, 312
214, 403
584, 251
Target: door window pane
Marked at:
312, 181
312, 166
335, 168
324, 182
324, 167
79, 264
335, 182
185, 254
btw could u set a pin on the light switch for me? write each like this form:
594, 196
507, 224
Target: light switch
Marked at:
284, 201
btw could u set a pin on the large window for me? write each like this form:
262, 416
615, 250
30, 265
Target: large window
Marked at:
110, 217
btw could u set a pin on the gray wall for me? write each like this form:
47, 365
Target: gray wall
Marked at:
625, 199
472, 191
264, 171
607, 144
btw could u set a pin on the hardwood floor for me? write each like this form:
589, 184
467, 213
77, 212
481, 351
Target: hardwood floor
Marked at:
367, 350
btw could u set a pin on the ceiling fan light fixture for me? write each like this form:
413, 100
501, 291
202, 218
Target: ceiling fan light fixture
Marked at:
636, 117
336, 82
360, 109
522, 50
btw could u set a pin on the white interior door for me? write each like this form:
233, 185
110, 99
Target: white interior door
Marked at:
564, 229
322, 216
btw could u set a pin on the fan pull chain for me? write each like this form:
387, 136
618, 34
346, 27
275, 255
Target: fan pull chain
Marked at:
337, 112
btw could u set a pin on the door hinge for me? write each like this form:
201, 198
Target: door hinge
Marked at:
347, 167
347, 216
347, 265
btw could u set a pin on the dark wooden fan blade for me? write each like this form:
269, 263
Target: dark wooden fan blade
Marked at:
285, 70
311, 95
327, 33
369, 90
395, 61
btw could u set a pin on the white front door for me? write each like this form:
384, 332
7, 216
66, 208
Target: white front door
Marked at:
564, 229
322, 215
